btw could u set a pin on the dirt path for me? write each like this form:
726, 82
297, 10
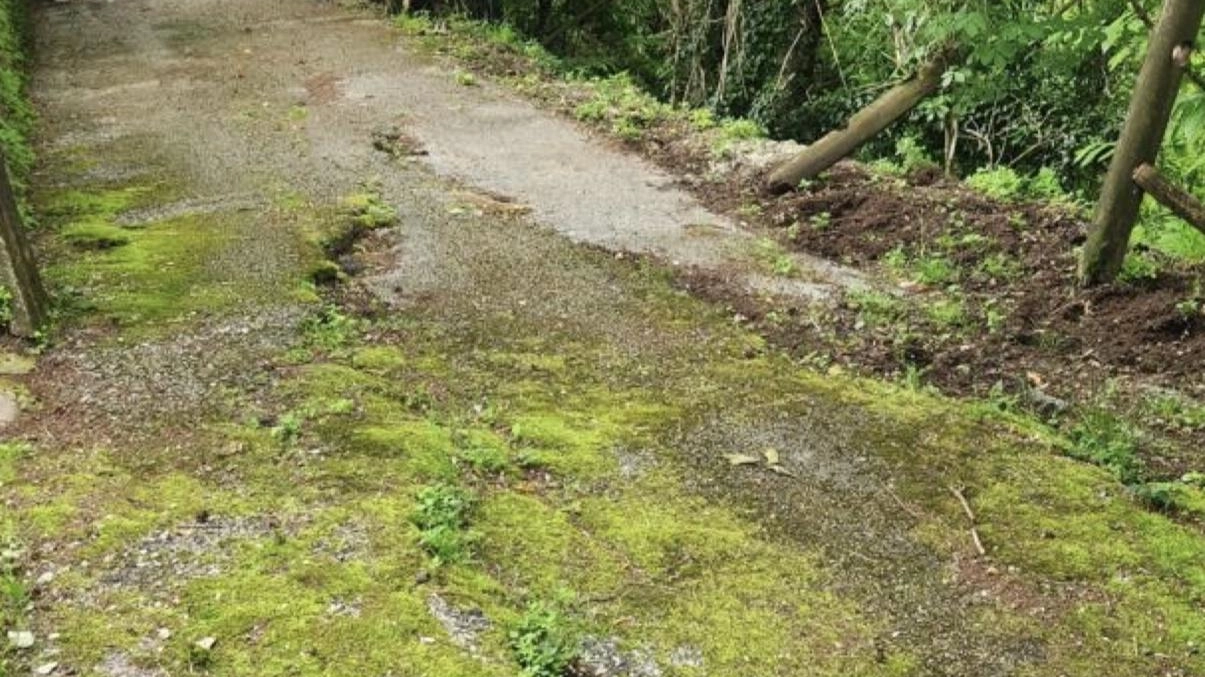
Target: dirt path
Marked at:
492, 450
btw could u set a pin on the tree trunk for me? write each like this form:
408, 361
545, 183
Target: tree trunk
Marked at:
18, 269
1146, 123
1181, 202
862, 127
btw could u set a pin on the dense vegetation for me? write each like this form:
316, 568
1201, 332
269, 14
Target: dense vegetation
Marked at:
1039, 88
16, 115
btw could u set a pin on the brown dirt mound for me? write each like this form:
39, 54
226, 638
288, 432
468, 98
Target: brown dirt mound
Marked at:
1012, 262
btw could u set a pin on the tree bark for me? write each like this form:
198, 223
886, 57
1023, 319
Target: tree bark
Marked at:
18, 269
1180, 202
1146, 123
860, 128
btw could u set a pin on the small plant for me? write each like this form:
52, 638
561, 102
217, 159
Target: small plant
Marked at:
543, 642
1174, 409
1190, 307
1045, 185
913, 378
780, 262
1104, 439
947, 312
740, 130
784, 266
288, 429
1000, 267
994, 318
1139, 267
1001, 183
1162, 496
328, 329
935, 271
702, 119
896, 261
6, 306
627, 129
465, 79
912, 155
875, 308
442, 519
822, 221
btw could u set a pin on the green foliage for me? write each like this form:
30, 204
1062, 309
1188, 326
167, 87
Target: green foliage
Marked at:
619, 102
912, 155
16, 114
1109, 441
948, 313
288, 429
1001, 183
875, 308
734, 130
328, 329
6, 306
1140, 266
442, 517
543, 642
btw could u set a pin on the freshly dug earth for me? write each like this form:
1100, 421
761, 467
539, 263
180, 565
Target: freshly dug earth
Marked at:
1023, 326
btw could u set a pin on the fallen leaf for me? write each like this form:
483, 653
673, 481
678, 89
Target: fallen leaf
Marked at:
741, 459
771, 456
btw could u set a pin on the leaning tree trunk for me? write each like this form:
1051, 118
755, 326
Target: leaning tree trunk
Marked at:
1146, 123
862, 127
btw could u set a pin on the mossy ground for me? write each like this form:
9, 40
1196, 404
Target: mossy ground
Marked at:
586, 497
584, 408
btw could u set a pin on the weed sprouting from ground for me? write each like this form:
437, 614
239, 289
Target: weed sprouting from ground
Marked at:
1103, 438
442, 517
543, 642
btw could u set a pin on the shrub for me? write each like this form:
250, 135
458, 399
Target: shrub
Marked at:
1001, 183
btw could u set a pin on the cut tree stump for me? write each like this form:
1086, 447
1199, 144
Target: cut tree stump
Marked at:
18, 268
1179, 201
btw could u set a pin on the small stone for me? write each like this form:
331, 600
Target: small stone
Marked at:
20, 639
164, 633
422, 577
206, 643
44, 579
992, 571
46, 668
